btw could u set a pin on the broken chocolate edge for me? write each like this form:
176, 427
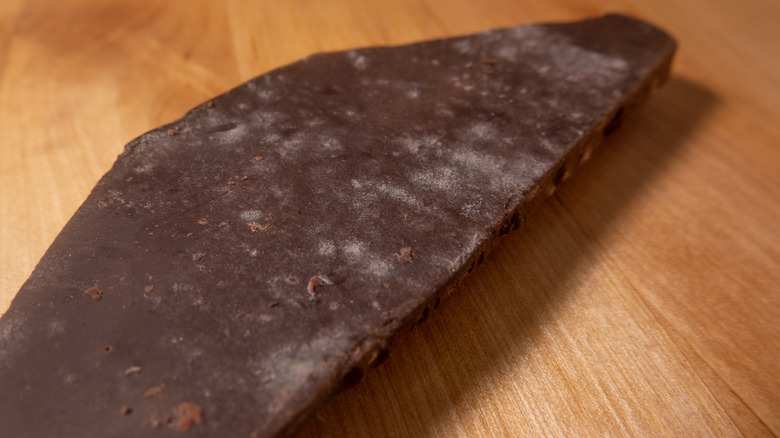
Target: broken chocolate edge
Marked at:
518, 209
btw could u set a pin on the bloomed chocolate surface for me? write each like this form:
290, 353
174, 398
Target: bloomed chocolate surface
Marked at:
237, 266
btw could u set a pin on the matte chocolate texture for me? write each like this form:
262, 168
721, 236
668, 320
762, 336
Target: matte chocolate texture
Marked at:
236, 267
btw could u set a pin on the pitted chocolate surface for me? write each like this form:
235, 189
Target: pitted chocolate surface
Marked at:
249, 258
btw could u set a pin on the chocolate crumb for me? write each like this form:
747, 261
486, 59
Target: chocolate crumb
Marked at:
203, 222
153, 392
187, 414
148, 288
488, 65
125, 410
133, 370
155, 421
95, 292
404, 255
273, 304
313, 283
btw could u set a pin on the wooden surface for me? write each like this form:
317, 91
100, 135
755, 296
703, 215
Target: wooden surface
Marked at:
642, 299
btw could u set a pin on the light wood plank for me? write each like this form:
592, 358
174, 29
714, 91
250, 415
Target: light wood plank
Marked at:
642, 299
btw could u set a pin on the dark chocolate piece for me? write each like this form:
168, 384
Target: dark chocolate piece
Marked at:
236, 267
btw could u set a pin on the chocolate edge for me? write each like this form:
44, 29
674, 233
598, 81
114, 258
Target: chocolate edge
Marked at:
513, 220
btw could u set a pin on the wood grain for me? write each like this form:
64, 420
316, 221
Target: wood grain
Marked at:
642, 299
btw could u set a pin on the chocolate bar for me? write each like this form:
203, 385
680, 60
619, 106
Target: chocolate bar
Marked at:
238, 266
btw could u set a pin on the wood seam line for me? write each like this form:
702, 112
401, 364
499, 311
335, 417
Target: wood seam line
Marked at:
665, 331
749, 408
680, 351
674, 347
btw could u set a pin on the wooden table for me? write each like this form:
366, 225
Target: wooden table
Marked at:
642, 299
